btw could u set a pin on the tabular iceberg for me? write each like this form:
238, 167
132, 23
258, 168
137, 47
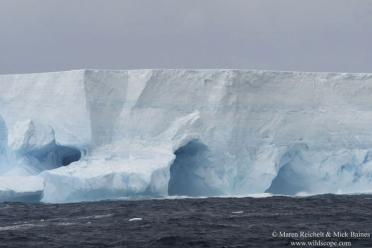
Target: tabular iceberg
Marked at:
97, 134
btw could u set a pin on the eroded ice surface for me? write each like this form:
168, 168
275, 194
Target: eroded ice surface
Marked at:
3, 143
91, 134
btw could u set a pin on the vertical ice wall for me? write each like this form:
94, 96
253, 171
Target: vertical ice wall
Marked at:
3, 142
56, 99
105, 93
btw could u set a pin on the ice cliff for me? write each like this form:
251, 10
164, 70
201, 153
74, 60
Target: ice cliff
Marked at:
93, 134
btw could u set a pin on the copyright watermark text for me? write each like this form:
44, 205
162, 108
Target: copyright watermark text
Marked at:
321, 238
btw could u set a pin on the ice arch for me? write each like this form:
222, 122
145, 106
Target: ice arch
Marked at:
188, 172
288, 182
292, 177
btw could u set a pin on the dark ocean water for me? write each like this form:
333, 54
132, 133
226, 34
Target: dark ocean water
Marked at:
211, 222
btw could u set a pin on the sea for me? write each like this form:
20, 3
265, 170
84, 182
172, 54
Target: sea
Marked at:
276, 221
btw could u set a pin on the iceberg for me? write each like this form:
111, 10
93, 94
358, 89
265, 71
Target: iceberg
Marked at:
87, 135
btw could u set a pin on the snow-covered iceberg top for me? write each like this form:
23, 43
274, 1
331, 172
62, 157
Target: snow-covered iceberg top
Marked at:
100, 134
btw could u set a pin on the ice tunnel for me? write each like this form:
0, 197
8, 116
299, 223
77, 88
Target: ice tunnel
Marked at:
292, 177
35, 144
187, 173
54, 156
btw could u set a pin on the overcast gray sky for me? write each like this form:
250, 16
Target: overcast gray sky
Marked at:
311, 35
